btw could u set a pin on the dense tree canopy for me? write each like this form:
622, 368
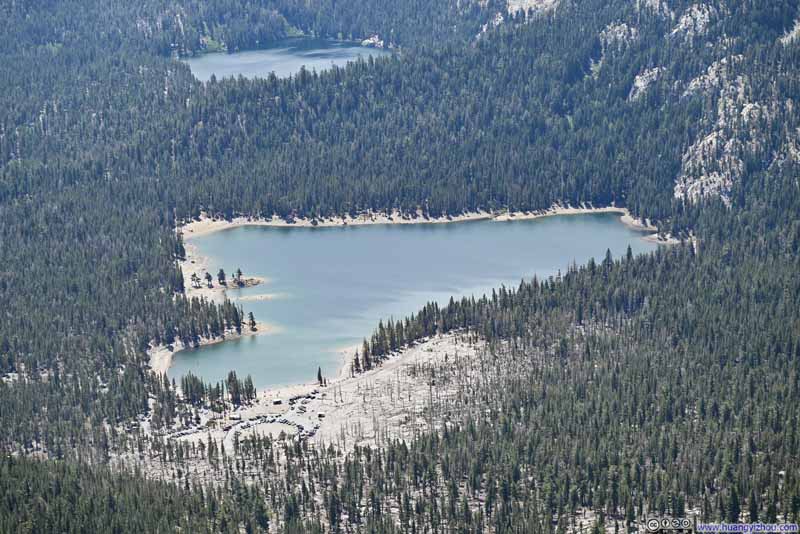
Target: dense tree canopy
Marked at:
662, 383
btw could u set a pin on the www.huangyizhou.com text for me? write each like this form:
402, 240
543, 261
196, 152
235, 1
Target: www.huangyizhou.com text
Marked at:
746, 527
666, 525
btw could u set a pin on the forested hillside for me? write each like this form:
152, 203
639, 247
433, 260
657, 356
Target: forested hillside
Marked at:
667, 382
186, 27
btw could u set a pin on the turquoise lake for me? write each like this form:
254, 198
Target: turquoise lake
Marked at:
284, 59
334, 284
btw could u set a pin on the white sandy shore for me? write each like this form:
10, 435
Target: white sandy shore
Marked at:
206, 225
199, 264
195, 262
395, 400
161, 355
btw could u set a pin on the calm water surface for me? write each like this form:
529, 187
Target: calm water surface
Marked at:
284, 59
334, 284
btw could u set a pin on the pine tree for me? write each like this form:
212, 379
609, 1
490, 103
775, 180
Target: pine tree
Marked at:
365, 356
753, 505
249, 388
734, 509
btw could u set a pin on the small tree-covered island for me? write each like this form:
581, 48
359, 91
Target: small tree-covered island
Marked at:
430, 267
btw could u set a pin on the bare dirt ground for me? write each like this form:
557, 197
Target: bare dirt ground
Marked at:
411, 392
394, 400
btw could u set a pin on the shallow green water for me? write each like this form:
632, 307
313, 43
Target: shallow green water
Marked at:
336, 283
284, 59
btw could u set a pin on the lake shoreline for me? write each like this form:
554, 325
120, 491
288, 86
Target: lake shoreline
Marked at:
206, 225
161, 356
282, 58
278, 45
359, 409
197, 263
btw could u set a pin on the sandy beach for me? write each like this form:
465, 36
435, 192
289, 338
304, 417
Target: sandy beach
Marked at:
342, 411
206, 225
161, 355
196, 263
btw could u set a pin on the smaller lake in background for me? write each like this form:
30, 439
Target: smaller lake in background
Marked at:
284, 59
